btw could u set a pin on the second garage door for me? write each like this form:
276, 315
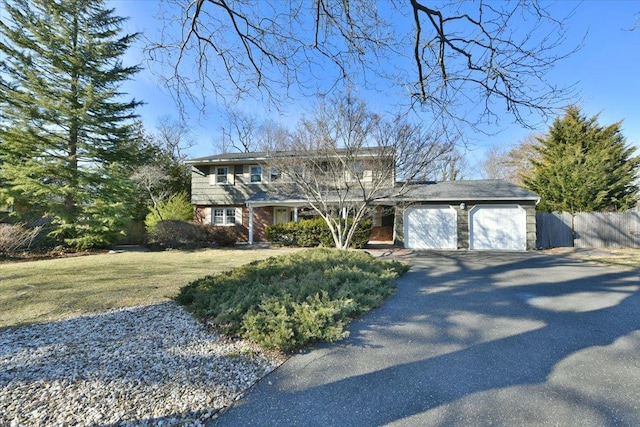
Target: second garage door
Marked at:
501, 227
431, 227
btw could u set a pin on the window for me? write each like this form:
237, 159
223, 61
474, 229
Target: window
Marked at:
298, 171
224, 216
358, 170
275, 175
354, 173
218, 216
230, 216
221, 175
256, 174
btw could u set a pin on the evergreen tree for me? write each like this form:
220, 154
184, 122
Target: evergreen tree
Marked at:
584, 167
66, 131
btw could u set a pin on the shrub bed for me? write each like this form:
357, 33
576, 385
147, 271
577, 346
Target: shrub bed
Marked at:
313, 232
183, 234
292, 301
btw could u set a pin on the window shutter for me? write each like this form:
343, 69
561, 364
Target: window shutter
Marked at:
212, 175
239, 216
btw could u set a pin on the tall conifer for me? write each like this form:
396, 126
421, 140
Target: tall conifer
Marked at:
584, 167
65, 127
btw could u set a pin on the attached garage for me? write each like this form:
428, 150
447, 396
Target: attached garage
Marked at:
475, 215
498, 227
431, 227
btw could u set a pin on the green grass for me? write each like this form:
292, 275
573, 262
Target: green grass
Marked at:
292, 301
45, 290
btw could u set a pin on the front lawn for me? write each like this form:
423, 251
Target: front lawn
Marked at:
292, 301
45, 290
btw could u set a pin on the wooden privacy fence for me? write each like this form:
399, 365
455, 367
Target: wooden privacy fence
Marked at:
588, 230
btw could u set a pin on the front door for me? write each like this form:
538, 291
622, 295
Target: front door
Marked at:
281, 215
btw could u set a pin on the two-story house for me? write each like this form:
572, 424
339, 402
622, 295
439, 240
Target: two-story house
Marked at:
249, 191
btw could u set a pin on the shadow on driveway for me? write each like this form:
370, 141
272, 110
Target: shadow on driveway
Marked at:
473, 338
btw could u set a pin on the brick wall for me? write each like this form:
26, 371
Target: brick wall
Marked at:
262, 217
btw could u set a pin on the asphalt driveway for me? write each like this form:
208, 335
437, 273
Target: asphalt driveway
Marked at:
499, 339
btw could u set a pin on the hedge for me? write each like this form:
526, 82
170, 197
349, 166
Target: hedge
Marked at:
310, 233
182, 234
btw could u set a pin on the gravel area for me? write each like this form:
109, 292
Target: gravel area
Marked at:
143, 366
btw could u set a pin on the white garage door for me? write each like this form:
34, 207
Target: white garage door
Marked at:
431, 227
501, 227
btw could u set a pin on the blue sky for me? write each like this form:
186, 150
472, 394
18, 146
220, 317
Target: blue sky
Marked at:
605, 72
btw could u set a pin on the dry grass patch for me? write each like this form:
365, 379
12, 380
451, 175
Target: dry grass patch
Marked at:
628, 259
620, 258
45, 290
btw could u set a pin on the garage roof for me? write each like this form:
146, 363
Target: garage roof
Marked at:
481, 190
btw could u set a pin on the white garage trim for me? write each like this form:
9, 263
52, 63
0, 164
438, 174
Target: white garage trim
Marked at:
431, 227
498, 227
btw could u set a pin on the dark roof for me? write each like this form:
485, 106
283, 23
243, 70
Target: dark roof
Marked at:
258, 156
448, 191
481, 190
263, 196
229, 157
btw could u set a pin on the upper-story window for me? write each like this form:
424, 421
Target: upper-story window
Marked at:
358, 171
221, 175
256, 174
275, 175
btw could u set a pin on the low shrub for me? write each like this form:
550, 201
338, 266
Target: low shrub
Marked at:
314, 232
361, 236
15, 237
292, 301
179, 234
222, 236
283, 234
285, 324
182, 234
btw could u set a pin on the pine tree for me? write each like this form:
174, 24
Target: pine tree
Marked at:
65, 128
584, 167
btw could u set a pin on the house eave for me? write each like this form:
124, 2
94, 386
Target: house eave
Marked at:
263, 157
287, 203
535, 200
206, 162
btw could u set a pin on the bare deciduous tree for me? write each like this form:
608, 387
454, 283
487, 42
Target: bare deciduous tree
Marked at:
345, 159
464, 60
450, 166
272, 135
512, 164
240, 132
173, 137
164, 173
152, 179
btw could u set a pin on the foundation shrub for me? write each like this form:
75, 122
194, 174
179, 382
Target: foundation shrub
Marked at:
312, 233
222, 236
183, 235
